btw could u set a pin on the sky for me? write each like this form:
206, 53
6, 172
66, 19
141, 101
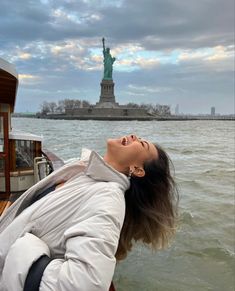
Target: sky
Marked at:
167, 52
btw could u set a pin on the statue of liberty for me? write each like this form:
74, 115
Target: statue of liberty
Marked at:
108, 62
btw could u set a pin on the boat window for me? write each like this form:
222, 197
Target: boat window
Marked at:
24, 153
2, 167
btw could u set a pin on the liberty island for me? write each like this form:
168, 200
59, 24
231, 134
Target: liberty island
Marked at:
107, 108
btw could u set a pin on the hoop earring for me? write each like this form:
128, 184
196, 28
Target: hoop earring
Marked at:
130, 173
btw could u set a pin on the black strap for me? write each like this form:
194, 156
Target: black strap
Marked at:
44, 193
35, 273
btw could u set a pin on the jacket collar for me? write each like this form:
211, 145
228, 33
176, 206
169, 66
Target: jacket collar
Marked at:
99, 170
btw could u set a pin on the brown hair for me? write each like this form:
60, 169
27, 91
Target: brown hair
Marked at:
151, 207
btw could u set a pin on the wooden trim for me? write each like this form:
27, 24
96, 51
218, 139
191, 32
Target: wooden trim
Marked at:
12, 155
21, 173
4, 204
38, 149
5, 156
19, 169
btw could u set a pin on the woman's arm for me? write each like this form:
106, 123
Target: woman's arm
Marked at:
22, 254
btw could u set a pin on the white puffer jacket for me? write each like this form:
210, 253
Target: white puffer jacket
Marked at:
77, 225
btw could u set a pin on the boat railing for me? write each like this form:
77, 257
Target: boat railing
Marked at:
42, 168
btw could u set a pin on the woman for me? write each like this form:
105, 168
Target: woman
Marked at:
68, 239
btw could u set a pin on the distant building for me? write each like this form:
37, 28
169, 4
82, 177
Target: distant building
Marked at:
213, 111
177, 109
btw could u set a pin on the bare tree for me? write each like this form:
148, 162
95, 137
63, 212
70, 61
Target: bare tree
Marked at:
52, 106
85, 103
45, 108
61, 106
132, 105
69, 104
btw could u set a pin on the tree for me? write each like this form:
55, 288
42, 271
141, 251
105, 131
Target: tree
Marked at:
77, 103
61, 107
69, 104
52, 106
45, 108
132, 105
85, 103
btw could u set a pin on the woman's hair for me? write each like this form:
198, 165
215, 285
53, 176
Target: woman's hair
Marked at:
151, 207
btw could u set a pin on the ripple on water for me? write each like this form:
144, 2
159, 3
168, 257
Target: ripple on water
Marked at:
215, 253
186, 218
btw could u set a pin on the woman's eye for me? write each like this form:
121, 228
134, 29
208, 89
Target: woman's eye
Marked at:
142, 143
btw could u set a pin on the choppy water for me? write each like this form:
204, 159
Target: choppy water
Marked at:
202, 254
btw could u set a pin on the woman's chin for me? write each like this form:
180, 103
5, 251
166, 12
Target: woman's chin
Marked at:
114, 146
113, 142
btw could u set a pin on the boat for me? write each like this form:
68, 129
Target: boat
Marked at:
23, 160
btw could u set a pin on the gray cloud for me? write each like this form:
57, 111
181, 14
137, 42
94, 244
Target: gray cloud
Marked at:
34, 27
154, 24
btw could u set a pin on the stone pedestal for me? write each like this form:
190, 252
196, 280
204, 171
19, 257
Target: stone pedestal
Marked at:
107, 98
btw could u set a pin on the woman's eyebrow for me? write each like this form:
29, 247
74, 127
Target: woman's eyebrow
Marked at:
146, 143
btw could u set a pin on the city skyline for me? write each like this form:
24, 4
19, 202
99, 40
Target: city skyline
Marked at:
168, 52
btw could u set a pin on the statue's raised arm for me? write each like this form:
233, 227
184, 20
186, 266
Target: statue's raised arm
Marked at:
108, 62
103, 40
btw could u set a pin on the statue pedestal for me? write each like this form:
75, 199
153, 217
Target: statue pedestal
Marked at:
107, 98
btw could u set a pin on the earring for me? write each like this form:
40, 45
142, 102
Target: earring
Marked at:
130, 173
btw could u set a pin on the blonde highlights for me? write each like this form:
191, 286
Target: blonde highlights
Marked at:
151, 207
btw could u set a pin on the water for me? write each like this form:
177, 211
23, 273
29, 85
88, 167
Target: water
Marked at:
202, 254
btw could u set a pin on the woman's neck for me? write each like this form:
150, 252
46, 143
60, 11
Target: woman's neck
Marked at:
115, 165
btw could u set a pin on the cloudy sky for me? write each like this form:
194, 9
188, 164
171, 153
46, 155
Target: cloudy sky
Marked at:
168, 51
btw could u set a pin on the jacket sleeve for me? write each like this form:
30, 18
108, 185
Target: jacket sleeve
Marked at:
91, 244
22, 254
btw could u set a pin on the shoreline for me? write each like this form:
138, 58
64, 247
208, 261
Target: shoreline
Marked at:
126, 118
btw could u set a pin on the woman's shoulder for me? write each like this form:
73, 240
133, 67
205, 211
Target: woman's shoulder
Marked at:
105, 193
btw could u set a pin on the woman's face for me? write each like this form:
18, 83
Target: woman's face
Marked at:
130, 151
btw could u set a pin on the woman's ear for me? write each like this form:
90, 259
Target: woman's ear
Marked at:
137, 171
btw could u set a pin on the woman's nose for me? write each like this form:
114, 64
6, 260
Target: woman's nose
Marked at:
133, 137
